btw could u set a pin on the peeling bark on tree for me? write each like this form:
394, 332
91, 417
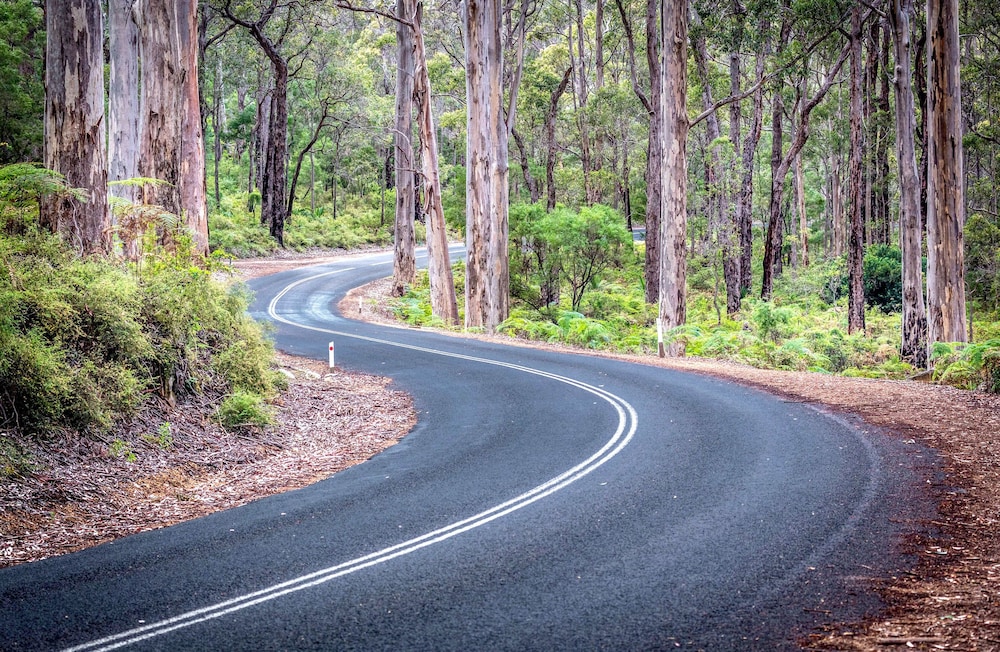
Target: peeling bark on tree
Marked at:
914, 326
945, 190
856, 241
443, 302
74, 123
404, 268
123, 111
673, 143
171, 142
487, 283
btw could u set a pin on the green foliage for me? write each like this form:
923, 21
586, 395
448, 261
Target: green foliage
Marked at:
883, 277
968, 366
83, 342
22, 92
571, 248
122, 450
163, 439
242, 410
982, 261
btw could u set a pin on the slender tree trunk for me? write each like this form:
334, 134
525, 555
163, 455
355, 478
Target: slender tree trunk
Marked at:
856, 243
945, 191
529, 180
550, 140
123, 113
74, 123
219, 121
443, 301
404, 267
654, 159
673, 228
744, 203
914, 327
772, 246
487, 283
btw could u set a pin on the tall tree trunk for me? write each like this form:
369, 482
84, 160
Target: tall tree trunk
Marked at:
914, 327
673, 228
74, 123
945, 191
123, 113
172, 148
744, 203
773, 236
856, 243
550, 140
404, 266
487, 283
443, 302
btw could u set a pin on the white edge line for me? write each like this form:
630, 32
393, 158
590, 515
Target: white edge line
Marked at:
626, 414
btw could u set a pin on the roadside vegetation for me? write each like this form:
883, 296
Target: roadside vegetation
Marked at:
88, 341
577, 280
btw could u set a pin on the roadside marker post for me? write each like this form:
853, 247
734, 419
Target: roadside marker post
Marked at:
659, 339
331, 356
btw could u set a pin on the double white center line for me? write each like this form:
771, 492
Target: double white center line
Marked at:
627, 422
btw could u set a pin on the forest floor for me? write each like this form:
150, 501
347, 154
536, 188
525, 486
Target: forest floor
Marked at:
83, 494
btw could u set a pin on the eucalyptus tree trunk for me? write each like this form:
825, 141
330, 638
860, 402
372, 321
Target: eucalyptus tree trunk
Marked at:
123, 113
404, 266
673, 144
487, 283
443, 302
74, 123
945, 191
914, 327
172, 147
856, 240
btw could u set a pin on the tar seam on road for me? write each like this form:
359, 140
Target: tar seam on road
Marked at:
627, 424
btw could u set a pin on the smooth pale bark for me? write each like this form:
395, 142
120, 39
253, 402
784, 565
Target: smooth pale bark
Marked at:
74, 123
914, 320
856, 240
673, 143
123, 114
487, 283
442, 284
404, 267
171, 148
946, 318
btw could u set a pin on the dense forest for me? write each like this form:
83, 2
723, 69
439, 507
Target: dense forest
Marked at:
805, 184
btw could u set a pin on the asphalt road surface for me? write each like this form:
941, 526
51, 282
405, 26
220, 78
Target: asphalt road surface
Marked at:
544, 501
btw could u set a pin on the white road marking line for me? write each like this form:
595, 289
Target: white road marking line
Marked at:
627, 424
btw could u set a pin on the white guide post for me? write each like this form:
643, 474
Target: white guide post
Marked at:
331, 356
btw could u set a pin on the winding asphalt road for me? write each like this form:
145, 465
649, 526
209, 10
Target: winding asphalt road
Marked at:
544, 501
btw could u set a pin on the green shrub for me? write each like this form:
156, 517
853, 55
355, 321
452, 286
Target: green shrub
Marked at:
883, 277
244, 410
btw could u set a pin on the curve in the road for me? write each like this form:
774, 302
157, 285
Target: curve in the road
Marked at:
627, 423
